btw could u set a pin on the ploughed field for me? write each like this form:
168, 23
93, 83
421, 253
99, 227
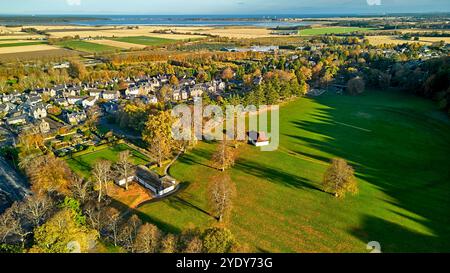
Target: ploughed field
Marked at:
398, 145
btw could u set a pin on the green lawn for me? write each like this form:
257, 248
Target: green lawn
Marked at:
398, 145
87, 46
332, 30
22, 44
144, 40
82, 164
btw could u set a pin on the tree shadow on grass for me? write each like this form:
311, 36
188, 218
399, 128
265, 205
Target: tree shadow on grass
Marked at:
396, 238
195, 157
274, 175
396, 165
128, 212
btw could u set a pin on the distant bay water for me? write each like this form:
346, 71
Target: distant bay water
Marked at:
186, 20
158, 20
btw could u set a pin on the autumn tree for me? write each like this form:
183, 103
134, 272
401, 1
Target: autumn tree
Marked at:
221, 191
93, 116
217, 240
54, 110
102, 174
158, 136
169, 244
77, 70
29, 145
339, 178
63, 234
173, 80
49, 174
147, 239
164, 93
190, 241
224, 156
227, 74
124, 166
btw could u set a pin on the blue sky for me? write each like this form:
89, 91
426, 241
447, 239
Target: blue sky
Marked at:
219, 6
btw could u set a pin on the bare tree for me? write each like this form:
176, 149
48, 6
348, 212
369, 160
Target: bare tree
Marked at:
147, 239
102, 174
124, 166
38, 208
224, 157
169, 244
195, 245
129, 233
221, 191
19, 223
81, 189
6, 227
113, 218
96, 215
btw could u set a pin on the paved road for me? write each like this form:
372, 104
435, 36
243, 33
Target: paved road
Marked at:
13, 186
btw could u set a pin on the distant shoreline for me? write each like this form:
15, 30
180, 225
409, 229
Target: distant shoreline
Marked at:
187, 20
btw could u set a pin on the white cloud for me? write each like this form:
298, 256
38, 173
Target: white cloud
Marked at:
374, 2
73, 2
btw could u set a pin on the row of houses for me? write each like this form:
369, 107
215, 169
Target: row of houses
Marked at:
22, 108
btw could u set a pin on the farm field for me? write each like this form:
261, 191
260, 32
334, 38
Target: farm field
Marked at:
89, 31
143, 40
280, 207
82, 164
117, 44
331, 30
52, 52
21, 43
87, 46
379, 40
25, 48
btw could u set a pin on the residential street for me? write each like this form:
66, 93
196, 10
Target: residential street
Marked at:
13, 186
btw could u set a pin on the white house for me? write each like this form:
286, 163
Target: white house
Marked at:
111, 95
76, 117
38, 112
74, 100
62, 102
258, 139
18, 120
95, 93
132, 91
150, 180
89, 102
196, 91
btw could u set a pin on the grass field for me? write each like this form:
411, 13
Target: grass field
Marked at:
117, 44
143, 40
14, 44
87, 46
331, 30
82, 164
399, 148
